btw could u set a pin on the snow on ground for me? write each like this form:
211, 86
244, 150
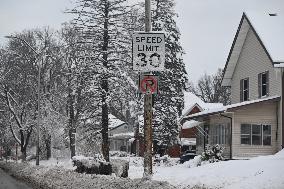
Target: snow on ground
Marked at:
262, 172
55, 177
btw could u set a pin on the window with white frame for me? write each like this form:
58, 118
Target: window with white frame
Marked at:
255, 134
266, 134
263, 84
244, 89
218, 134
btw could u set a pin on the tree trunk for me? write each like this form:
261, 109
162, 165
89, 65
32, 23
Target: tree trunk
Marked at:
105, 143
48, 146
72, 137
72, 129
24, 153
104, 85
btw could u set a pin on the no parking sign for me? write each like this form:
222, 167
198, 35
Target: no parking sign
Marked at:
148, 84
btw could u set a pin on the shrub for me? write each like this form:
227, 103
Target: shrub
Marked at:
213, 153
96, 165
165, 160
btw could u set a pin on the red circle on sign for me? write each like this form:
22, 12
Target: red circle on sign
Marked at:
148, 82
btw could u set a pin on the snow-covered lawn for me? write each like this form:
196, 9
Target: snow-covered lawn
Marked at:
57, 177
262, 172
256, 173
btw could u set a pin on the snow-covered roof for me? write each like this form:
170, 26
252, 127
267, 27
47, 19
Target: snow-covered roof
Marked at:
229, 107
191, 100
188, 141
280, 65
114, 121
123, 135
190, 124
269, 29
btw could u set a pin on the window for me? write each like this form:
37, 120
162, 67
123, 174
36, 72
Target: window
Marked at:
266, 134
244, 89
255, 134
218, 134
245, 134
263, 87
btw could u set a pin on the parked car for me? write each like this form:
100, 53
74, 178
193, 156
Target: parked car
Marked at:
187, 156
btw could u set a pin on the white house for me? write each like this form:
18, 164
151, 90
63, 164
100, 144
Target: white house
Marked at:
253, 124
120, 134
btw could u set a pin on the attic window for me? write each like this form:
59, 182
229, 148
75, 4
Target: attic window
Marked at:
263, 84
244, 89
272, 14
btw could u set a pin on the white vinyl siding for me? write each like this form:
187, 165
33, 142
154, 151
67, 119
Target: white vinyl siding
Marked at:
256, 114
252, 61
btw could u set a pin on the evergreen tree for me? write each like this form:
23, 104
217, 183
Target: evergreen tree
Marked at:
169, 101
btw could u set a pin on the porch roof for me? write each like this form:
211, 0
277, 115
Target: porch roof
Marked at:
229, 108
127, 135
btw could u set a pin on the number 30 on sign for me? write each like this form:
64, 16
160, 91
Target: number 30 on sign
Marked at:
148, 51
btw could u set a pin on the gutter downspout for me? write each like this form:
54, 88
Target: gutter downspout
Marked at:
277, 121
231, 133
282, 108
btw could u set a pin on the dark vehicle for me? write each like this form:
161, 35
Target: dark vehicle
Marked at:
187, 156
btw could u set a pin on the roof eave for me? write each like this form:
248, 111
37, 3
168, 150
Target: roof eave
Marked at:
232, 48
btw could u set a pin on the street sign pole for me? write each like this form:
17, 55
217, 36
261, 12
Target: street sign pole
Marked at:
148, 112
148, 109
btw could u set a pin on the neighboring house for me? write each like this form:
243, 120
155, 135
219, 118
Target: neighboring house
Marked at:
253, 125
189, 130
120, 134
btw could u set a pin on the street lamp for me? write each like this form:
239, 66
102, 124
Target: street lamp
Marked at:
38, 86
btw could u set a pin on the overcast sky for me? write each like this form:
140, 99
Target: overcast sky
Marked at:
207, 26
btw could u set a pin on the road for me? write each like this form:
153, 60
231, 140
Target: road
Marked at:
8, 182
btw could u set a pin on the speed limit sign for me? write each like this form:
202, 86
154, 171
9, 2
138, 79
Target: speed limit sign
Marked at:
148, 51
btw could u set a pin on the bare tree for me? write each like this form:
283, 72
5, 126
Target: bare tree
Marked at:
209, 89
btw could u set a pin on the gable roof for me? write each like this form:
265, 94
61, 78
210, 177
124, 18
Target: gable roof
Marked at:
186, 112
191, 101
114, 122
268, 30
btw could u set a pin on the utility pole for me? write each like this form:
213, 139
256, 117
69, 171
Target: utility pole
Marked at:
148, 112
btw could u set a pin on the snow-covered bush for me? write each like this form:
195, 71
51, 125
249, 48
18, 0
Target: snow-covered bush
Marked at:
118, 154
164, 161
213, 153
195, 162
120, 167
97, 165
